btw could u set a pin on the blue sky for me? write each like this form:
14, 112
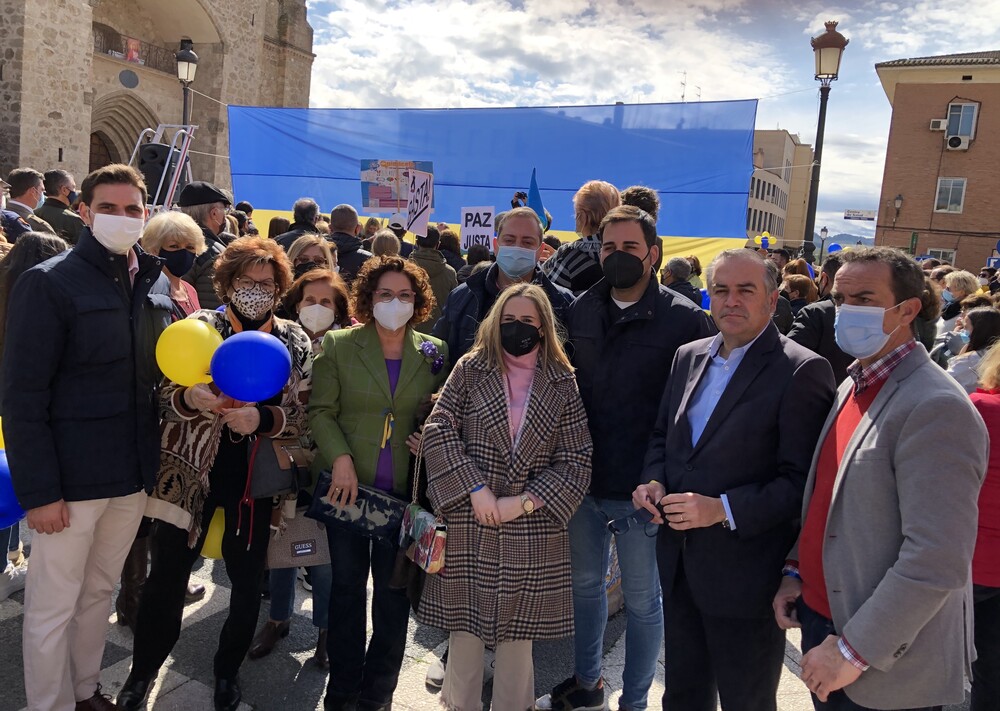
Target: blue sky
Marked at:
466, 53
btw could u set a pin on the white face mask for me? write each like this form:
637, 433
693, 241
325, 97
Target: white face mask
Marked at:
316, 317
983, 281
394, 315
858, 329
116, 233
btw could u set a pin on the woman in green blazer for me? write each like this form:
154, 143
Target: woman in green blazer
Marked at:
367, 384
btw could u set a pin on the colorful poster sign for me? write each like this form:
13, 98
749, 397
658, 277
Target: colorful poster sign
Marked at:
385, 184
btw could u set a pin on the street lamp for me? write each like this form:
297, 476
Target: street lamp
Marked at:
897, 203
187, 65
828, 48
823, 234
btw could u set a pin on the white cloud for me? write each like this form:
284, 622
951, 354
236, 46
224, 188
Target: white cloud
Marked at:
460, 53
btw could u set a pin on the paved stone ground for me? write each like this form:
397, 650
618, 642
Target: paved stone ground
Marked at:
287, 681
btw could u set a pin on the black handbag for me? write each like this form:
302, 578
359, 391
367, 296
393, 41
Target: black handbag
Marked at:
278, 467
375, 514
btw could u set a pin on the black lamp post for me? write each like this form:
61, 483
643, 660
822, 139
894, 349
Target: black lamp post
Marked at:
823, 234
187, 65
828, 49
897, 203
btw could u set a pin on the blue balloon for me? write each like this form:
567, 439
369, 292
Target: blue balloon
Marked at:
10, 510
764, 242
834, 247
706, 300
812, 272
251, 366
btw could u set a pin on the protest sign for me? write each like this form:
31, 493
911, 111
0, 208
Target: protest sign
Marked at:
421, 196
477, 227
385, 183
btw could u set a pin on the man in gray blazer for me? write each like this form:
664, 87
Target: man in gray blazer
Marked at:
879, 579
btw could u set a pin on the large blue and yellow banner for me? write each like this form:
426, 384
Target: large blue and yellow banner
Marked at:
697, 156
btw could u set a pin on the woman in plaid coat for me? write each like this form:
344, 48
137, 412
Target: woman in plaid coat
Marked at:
508, 459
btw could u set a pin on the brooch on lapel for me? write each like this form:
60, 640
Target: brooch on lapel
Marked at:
432, 355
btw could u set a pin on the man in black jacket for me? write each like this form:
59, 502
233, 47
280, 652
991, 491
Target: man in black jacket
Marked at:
813, 325
518, 247
344, 231
81, 427
675, 277
206, 204
623, 334
305, 215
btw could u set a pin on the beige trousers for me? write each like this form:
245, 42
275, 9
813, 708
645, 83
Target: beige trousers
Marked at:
67, 599
513, 681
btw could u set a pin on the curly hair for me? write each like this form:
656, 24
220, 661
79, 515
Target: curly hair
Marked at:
363, 288
245, 253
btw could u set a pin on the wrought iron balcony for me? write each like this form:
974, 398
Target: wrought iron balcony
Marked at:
110, 42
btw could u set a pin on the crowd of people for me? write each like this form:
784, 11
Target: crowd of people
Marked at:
769, 443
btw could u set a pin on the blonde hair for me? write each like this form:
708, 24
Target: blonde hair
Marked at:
989, 369
488, 347
385, 243
591, 203
168, 225
305, 242
963, 281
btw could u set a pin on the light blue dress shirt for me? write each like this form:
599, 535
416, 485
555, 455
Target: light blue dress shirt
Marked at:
709, 391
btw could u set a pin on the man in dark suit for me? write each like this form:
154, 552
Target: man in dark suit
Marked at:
813, 326
726, 465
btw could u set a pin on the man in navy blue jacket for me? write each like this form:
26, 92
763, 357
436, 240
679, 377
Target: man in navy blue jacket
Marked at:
623, 334
81, 428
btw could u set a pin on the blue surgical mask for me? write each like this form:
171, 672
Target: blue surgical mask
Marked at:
964, 335
73, 195
947, 296
515, 262
858, 330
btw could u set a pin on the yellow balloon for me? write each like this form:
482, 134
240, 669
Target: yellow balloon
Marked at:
184, 351
766, 235
212, 547
757, 240
2, 446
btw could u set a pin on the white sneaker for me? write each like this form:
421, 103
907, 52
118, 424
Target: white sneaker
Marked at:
435, 674
12, 580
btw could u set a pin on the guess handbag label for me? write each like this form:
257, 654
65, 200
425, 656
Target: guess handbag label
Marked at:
303, 548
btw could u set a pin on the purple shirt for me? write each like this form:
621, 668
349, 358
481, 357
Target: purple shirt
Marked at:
383, 470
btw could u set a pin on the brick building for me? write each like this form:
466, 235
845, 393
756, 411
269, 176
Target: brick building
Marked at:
779, 187
942, 157
80, 79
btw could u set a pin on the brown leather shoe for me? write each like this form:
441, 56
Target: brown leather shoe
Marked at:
97, 702
268, 636
319, 657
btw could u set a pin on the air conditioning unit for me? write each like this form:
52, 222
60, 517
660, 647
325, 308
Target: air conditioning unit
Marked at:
939, 124
957, 143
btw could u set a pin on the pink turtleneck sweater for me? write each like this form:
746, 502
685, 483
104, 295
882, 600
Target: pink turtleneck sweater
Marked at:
520, 372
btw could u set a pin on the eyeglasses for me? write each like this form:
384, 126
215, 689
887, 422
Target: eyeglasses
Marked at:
318, 261
267, 286
386, 295
620, 526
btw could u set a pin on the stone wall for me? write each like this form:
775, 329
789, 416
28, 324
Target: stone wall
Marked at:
57, 93
264, 57
11, 61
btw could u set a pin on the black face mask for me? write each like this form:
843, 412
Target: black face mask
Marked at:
178, 261
301, 269
518, 338
623, 270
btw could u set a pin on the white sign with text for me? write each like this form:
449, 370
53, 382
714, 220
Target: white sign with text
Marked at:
418, 208
477, 226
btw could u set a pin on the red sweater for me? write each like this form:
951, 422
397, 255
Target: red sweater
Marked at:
814, 528
986, 560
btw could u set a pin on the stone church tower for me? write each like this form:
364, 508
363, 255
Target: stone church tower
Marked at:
80, 79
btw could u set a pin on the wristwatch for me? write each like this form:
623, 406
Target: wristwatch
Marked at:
527, 505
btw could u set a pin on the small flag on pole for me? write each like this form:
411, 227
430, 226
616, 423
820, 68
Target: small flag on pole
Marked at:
535, 200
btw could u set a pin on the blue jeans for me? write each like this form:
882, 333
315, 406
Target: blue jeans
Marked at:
283, 593
590, 550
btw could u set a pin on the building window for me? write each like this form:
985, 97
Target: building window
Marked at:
950, 195
962, 120
945, 255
